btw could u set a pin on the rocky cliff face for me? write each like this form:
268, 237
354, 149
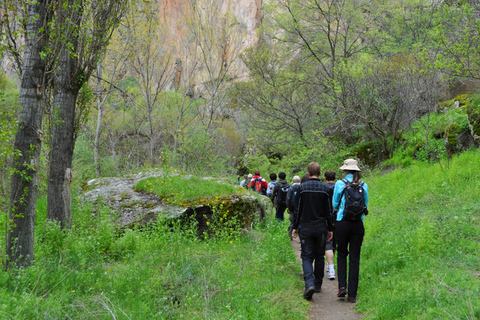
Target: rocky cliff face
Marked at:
248, 13
178, 15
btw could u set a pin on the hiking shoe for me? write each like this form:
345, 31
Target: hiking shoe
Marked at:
331, 275
352, 299
342, 292
318, 289
309, 293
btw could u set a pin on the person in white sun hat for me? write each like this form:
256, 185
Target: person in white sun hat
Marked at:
350, 197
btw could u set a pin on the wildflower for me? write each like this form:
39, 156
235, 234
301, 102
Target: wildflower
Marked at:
73, 291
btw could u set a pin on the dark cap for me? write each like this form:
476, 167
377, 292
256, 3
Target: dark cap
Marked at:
257, 173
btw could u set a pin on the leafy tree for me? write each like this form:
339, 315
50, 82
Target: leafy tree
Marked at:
63, 41
283, 103
325, 33
385, 97
404, 27
457, 33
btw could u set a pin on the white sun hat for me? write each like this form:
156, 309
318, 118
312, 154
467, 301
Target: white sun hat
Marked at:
350, 165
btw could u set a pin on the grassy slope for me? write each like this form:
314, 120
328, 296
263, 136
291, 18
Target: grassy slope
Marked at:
94, 271
420, 260
421, 254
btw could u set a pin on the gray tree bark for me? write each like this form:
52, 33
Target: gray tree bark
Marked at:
28, 140
66, 91
98, 131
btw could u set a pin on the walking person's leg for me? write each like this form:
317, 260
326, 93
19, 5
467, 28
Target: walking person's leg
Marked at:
356, 240
342, 238
307, 254
329, 254
319, 256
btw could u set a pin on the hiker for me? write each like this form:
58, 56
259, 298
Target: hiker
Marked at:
271, 184
279, 196
330, 247
259, 184
291, 202
312, 222
243, 183
349, 229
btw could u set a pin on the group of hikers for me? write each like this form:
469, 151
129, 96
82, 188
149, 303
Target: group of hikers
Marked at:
326, 216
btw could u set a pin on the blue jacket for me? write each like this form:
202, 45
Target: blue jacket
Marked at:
337, 193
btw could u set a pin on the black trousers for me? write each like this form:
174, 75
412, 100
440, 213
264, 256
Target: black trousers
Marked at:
349, 237
279, 211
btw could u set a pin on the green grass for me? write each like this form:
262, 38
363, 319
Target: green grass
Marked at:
186, 190
420, 258
421, 253
159, 272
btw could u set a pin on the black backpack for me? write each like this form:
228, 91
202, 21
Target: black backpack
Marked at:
354, 201
282, 194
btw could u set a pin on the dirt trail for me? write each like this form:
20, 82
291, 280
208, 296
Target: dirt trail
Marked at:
325, 304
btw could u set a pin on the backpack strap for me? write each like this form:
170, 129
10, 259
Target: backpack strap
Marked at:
343, 191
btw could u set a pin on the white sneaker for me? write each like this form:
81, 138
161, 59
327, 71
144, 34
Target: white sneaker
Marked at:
331, 274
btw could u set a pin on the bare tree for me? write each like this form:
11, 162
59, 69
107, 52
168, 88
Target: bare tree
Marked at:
141, 41
217, 36
283, 103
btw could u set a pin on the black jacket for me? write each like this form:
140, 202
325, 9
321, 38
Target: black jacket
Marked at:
280, 184
313, 205
291, 191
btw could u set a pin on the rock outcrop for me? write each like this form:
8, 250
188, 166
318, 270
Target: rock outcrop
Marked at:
134, 208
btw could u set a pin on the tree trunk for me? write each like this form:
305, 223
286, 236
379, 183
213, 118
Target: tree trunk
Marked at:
96, 146
67, 87
61, 154
28, 140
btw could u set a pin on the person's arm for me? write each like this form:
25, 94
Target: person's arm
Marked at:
337, 193
264, 184
295, 233
296, 208
289, 199
275, 190
269, 189
365, 187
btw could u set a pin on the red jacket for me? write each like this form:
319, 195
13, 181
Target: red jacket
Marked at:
252, 182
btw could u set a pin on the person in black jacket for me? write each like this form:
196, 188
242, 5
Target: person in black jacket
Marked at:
290, 202
330, 247
313, 224
279, 196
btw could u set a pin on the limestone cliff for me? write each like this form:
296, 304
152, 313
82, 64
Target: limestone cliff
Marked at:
233, 23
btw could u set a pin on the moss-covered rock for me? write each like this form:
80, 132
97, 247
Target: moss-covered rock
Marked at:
457, 102
234, 211
132, 208
456, 140
473, 113
368, 153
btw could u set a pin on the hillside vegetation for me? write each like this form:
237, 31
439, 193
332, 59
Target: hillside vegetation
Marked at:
395, 87
421, 253
420, 260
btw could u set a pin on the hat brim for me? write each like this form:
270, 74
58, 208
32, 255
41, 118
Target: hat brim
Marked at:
350, 168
